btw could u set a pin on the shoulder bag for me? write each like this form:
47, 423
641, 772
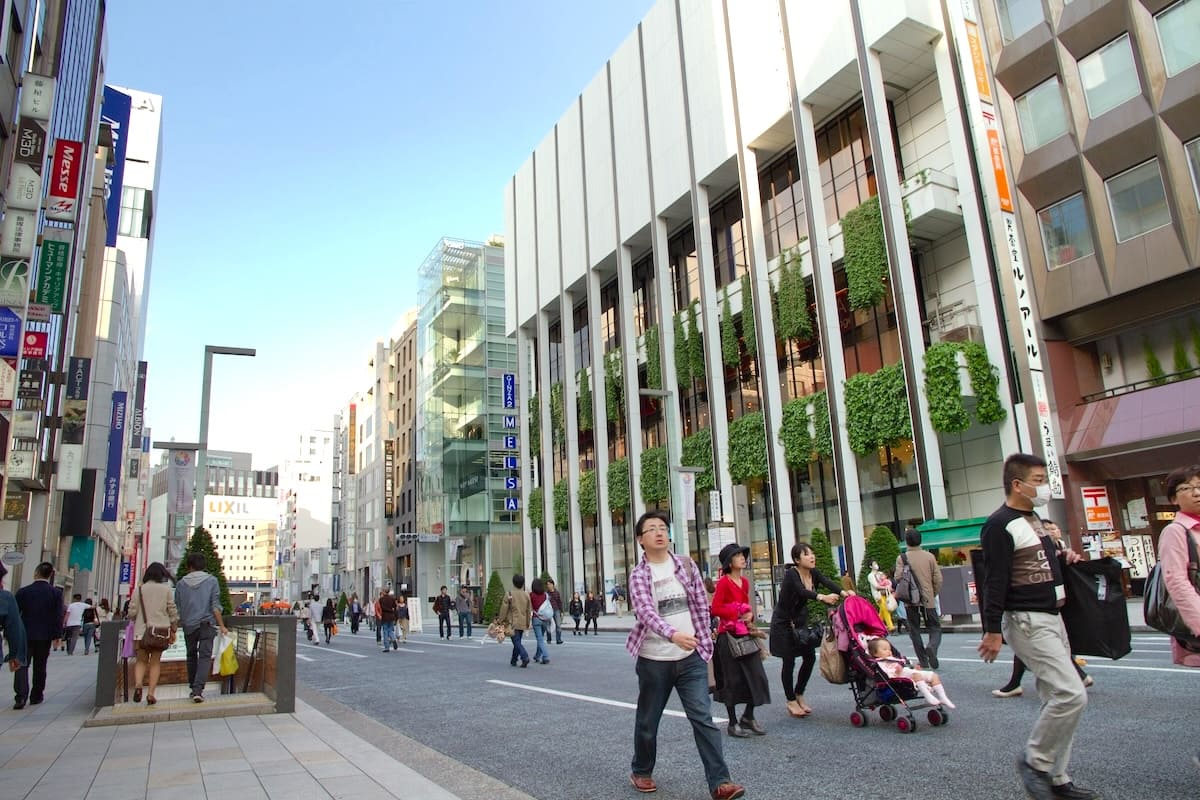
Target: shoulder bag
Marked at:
907, 589
742, 646
1160, 610
155, 637
832, 663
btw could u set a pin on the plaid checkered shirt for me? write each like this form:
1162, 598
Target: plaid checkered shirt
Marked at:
641, 600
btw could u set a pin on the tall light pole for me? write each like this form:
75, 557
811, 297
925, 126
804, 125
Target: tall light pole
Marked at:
205, 391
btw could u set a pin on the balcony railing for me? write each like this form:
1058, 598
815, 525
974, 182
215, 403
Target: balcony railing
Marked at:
1138, 386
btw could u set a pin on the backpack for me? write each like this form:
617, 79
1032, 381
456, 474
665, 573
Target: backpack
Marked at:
907, 589
545, 611
89, 616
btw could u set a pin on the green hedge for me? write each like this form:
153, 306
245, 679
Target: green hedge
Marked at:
618, 485
881, 547
655, 485
562, 505
536, 512
494, 597
747, 448
698, 452
587, 493
583, 406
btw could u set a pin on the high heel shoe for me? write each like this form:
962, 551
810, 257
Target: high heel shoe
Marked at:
150, 700
137, 695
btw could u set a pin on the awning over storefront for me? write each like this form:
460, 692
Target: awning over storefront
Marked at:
950, 533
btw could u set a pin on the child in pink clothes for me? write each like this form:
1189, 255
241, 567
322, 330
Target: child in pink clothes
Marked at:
926, 681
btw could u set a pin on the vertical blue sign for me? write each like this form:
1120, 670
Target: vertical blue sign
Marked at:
510, 442
510, 390
510, 483
510, 423
116, 454
510, 462
126, 572
511, 503
115, 112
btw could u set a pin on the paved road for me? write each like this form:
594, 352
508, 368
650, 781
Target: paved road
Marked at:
564, 730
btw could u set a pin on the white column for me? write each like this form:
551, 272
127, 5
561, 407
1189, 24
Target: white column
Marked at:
600, 425
629, 369
547, 435
672, 423
571, 432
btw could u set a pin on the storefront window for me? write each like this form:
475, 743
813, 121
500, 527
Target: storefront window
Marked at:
783, 204
728, 239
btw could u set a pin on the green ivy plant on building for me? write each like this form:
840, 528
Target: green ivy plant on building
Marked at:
653, 359
749, 324
822, 430
946, 410
655, 485
536, 511
1181, 365
618, 486
985, 382
793, 433
683, 372
583, 406
587, 493
794, 320
729, 338
562, 504
535, 427
696, 343
747, 448
698, 452
1154, 367
557, 413
877, 409
614, 391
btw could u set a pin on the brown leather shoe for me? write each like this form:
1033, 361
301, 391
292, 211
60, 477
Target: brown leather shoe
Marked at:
728, 791
643, 783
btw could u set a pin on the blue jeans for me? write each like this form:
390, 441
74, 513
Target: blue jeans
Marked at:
89, 636
540, 634
689, 678
520, 652
464, 618
558, 627
387, 634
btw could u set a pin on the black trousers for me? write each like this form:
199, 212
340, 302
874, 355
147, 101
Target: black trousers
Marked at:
444, 620
808, 658
39, 653
924, 620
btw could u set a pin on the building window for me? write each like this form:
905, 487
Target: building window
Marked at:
1109, 76
12, 50
1041, 114
1138, 200
135, 213
1066, 235
1193, 155
1019, 16
1180, 49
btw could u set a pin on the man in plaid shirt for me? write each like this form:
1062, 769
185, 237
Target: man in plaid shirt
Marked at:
672, 644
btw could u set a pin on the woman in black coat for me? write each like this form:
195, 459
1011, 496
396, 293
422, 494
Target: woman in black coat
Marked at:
591, 613
800, 583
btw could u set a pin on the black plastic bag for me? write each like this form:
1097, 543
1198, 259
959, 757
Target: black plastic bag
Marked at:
1095, 615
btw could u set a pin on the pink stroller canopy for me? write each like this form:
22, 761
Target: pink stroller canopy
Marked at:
858, 615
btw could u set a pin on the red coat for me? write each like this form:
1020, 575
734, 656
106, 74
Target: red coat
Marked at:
730, 601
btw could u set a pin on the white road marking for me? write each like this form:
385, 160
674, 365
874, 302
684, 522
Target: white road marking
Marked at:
1091, 664
304, 658
328, 649
447, 644
598, 700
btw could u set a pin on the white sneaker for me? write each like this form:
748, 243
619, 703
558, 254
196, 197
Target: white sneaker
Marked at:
1017, 692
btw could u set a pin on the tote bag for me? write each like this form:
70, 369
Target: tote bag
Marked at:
1095, 616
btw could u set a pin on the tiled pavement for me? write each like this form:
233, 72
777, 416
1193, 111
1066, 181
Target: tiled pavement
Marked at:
45, 752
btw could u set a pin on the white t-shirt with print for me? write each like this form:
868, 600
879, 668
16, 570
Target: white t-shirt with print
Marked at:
670, 597
75, 613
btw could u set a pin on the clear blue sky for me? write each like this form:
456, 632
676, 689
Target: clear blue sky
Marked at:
313, 154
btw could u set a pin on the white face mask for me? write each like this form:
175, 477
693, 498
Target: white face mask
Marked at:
1042, 497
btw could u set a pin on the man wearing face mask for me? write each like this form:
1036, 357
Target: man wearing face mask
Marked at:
1022, 594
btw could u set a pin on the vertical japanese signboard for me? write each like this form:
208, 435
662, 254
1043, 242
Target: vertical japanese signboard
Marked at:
52, 269
62, 199
116, 455
389, 477
74, 424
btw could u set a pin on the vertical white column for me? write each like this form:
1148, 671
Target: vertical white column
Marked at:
547, 433
600, 426
629, 369
571, 432
665, 292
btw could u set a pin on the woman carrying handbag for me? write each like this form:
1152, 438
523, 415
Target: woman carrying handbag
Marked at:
793, 634
151, 607
737, 667
1179, 560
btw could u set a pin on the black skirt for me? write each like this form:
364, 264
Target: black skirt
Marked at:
738, 680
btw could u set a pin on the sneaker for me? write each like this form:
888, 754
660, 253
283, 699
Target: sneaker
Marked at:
1037, 783
728, 791
197, 698
1016, 691
1073, 792
643, 783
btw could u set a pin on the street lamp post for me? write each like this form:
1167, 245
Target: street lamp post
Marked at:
205, 392
675, 470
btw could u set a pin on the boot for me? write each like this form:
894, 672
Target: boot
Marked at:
940, 691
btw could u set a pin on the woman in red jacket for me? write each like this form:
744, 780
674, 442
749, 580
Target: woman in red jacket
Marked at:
738, 680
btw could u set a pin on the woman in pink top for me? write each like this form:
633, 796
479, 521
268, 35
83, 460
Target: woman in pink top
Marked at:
1183, 489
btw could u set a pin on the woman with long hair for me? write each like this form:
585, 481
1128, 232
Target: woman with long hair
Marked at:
802, 582
153, 604
591, 614
537, 596
575, 609
328, 618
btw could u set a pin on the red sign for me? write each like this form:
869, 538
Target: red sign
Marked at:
65, 169
1096, 508
33, 344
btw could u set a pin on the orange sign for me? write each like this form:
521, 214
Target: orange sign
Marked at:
1096, 508
981, 75
998, 169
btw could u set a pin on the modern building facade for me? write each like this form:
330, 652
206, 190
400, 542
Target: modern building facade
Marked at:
306, 533
758, 246
1101, 102
467, 523
399, 469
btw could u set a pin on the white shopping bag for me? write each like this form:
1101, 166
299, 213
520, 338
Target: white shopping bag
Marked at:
219, 644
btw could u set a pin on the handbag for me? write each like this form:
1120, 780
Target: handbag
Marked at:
743, 646
1160, 610
907, 588
155, 637
833, 663
545, 611
808, 636
1095, 615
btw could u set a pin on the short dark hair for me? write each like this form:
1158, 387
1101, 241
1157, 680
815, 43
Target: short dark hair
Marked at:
44, 570
77, 596
1178, 477
156, 573
550, 582
912, 537
536, 587
196, 561
649, 515
800, 549
519, 581
1048, 521
1017, 468
443, 587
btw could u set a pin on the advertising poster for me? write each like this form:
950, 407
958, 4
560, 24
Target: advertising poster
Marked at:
116, 457
115, 112
74, 423
181, 481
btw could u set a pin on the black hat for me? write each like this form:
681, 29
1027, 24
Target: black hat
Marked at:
731, 550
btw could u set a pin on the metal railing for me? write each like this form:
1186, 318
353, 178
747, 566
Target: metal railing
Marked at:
1138, 386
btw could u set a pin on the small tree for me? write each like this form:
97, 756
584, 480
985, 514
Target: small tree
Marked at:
826, 566
342, 602
201, 542
494, 597
883, 548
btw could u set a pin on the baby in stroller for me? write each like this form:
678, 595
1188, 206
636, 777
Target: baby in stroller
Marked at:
926, 681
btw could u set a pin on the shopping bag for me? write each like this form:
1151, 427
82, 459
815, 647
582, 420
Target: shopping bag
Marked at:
832, 662
127, 641
229, 662
223, 642
334, 631
1095, 616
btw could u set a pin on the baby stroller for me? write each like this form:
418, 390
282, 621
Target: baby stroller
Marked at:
854, 622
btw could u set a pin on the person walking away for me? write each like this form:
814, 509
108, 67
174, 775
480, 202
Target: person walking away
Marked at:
305, 617
923, 616
356, 613
591, 614
575, 609
1174, 544
103, 614
618, 600
801, 584
462, 604
1013, 687
1022, 594
738, 680
328, 618
89, 626
42, 613
73, 624
385, 630
13, 627
671, 644
198, 600
556, 604
539, 601
377, 617
514, 613
153, 605
441, 606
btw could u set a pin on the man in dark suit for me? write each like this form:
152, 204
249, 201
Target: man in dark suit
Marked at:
42, 611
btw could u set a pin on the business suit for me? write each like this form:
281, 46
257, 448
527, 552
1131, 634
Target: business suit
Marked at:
42, 611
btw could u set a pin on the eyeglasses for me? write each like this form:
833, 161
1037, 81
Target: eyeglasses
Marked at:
1188, 487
